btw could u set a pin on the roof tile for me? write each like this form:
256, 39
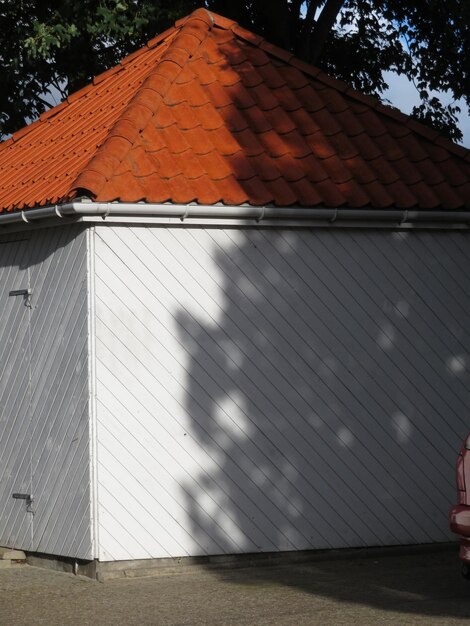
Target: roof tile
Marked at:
327, 123
355, 195
152, 187
222, 36
205, 73
430, 174
452, 172
257, 191
307, 193
232, 192
165, 164
426, 198
241, 166
403, 197
233, 119
124, 185
174, 139
224, 141
218, 95
292, 169
206, 190
265, 167
199, 140
271, 76
249, 75
447, 196
330, 193
233, 53
386, 173
336, 169
287, 99
192, 93
309, 99
368, 149
264, 97
360, 170
207, 116
182, 191
279, 120
320, 145
314, 168
215, 166
282, 192
250, 143
408, 172
241, 97
379, 196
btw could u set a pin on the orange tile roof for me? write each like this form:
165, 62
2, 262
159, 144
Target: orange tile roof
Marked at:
210, 113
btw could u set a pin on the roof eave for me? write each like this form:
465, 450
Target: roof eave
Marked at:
193, 213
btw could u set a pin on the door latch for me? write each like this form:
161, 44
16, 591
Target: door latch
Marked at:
21, 292
25, 496
26, 293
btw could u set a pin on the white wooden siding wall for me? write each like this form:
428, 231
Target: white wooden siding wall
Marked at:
44, 437
263, 390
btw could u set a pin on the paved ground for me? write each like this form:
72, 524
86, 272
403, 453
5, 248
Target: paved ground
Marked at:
407, 589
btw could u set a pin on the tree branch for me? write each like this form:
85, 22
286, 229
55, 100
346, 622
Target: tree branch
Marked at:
323, 26
303, 46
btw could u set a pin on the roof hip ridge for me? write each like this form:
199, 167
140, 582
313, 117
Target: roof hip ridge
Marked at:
144, 104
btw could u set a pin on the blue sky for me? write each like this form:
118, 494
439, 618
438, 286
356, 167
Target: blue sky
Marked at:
403, 95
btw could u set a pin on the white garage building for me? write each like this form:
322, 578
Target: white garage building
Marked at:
234, 312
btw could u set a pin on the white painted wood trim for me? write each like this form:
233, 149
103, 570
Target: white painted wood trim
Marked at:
91, 290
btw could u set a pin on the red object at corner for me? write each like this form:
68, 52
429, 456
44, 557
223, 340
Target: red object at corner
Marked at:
459, 515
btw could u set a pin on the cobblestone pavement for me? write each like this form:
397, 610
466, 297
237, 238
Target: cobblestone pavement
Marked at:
387, 589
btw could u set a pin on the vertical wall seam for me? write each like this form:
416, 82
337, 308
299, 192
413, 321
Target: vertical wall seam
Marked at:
93, 455
29, 304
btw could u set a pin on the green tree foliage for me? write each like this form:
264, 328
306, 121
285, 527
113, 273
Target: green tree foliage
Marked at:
56, 47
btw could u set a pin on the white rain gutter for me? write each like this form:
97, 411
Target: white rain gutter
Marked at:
103, 210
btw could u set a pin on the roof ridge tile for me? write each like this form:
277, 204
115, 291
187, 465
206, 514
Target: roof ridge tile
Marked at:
198, 24
246, 35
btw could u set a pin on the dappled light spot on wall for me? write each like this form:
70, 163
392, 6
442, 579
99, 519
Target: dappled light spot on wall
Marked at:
403, 427
208, 504
246, 286
345, 437
328, 366
401, 235
231, 416
402, 308
315, 420
286, 242
456, 364
258, 476
260, 339
386, 336
233, 354
272, 275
